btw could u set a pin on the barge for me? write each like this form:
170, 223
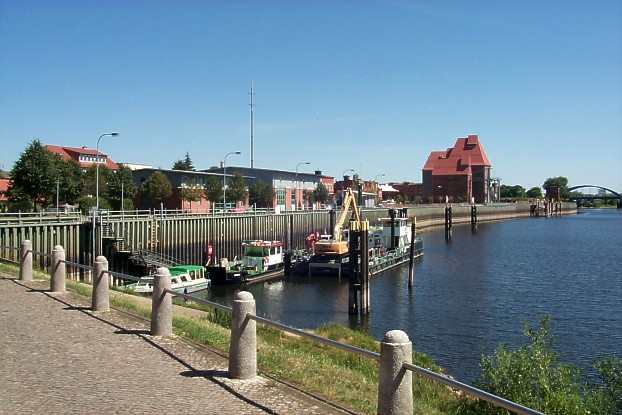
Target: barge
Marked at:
261, 261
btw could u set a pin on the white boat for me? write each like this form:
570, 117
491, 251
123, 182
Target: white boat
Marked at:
184, 279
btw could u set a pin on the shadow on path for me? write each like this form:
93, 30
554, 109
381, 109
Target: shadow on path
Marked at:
210, 375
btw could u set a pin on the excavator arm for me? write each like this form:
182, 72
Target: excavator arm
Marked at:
337, 245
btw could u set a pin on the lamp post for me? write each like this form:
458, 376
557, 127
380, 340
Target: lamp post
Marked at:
296, 189
97, 167
224, 176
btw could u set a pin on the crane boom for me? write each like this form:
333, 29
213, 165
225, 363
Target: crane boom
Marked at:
336, 246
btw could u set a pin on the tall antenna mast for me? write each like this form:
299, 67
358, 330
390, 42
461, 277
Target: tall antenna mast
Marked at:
252, 146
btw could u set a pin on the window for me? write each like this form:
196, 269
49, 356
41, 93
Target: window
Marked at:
280, 197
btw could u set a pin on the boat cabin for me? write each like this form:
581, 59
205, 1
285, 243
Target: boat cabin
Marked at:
262, 255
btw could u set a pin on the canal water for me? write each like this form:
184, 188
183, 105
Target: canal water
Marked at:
477, 291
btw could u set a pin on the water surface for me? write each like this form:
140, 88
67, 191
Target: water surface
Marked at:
477, 291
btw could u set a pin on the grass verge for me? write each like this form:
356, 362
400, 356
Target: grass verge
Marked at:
341, 377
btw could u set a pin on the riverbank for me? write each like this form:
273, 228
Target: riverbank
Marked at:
349, 380
434, 216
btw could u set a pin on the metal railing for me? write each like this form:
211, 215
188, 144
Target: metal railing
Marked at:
471, 390
438, 377
162, 315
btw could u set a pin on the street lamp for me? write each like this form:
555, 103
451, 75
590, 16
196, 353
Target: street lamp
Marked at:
296, 189
97, 167
224, 176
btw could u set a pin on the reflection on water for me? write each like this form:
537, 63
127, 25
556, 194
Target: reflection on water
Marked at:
477, 291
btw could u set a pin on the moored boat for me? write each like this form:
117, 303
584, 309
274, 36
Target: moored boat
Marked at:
261, 260
184, 279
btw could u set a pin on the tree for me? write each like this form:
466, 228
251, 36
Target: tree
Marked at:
122, 177
89, 185
236, 188
33, 176
261, 194
552, 184
512, 192
185, 164
320, 194
156, 188
69, 175
190, 194
213, 189
534, 192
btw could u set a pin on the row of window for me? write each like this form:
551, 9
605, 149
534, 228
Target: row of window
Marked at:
92, 159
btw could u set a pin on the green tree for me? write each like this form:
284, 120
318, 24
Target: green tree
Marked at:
534, 192
185, 164
121, 177
190, 194
553, 183
89, 187
236, 188
261, 194
512, 192
213, 189
156, 189
320, 194
18, 201
33, 176
69, 175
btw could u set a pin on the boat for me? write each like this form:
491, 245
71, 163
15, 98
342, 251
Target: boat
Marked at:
261, 260
185, 279
389, 246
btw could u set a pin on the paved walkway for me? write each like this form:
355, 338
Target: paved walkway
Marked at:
57, 357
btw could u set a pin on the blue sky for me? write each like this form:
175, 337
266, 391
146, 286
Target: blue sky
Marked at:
373, 86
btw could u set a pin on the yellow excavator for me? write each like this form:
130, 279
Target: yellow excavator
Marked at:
336, 245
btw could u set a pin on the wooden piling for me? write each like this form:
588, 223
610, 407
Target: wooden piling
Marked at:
364, 267
411, 257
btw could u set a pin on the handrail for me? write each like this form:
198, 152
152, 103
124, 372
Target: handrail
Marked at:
78, 265
315, 337
471, 390
122, 275
199, 300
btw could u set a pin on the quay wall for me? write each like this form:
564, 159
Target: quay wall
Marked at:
432, 216
186, 237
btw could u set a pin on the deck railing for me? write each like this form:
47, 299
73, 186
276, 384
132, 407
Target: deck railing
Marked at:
395, 392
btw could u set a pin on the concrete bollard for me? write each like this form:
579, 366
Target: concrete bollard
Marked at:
57, 274
25, 261
161, 304
243, 346
100, 300
395, 393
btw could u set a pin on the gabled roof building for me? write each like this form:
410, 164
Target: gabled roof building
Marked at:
84, 156
459, 174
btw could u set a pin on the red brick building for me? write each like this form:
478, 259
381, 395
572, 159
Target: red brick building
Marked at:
85, 157
461, 172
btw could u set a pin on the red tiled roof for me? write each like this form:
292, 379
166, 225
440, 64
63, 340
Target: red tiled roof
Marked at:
4, 186
458, 159
73, 153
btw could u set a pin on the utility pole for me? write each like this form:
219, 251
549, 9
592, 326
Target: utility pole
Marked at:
252, 126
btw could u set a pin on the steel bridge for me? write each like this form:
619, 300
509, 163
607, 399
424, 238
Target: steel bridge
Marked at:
611, 195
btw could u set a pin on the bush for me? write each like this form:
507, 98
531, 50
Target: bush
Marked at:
532, 376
